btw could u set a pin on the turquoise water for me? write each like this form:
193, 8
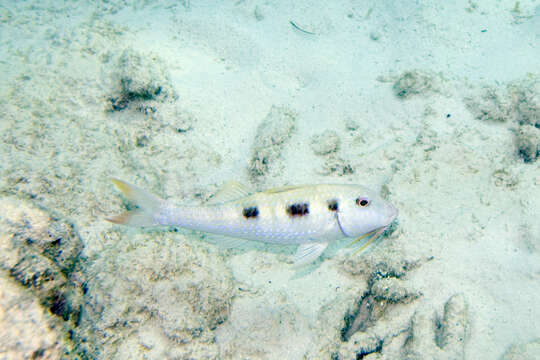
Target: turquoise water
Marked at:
433, 105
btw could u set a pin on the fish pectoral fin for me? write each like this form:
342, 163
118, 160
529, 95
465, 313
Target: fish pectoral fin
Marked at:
224, 241
232, 190
308, 252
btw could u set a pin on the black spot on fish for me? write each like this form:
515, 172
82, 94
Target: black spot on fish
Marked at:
250, 212
298, 209
333, 205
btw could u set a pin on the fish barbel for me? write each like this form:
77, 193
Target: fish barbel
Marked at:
311, 216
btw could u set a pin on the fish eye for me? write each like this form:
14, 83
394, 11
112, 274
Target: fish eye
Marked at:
362, 201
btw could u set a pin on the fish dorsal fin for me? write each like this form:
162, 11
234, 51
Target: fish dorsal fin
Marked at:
281, 189
308, 252
231, 190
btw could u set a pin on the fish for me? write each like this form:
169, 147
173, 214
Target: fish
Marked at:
310, 216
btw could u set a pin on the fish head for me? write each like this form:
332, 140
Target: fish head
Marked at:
362, 211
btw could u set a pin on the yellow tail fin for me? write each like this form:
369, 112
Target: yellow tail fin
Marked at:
148, 206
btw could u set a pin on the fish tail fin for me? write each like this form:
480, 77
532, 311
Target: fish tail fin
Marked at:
148, 206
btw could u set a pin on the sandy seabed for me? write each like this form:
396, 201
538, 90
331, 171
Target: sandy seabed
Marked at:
435, 104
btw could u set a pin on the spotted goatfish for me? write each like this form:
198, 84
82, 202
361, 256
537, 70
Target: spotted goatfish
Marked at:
310, 216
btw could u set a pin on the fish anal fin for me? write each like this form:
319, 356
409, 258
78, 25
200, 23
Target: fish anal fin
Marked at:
230, 191
225, 241
309, 252
121, 219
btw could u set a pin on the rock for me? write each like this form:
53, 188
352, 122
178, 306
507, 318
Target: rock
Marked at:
526, 100
528, 351
325, 143
379, 265
431, 339
528, 142
272, 135
368, 312
492, 104
503, 178
526, 97
416, 82
335, 165
453, 328
258, 329
518, 102
378, 324
385, 289
26, 330
42, 254
258, 13
140, 78
375, 35
361, 346
162, 296
351, 124
391, 290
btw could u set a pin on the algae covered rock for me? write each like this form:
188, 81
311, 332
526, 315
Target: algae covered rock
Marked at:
273, 134
325, 143
159, 295
26, 330
258, 329
528, 351
139, 77
425, 335
528, 142
41, 253
430, 338
526, 100
491, 104
517, 103
416, 82
385, 289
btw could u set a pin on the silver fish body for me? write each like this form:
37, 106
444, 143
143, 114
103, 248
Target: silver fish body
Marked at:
310, 216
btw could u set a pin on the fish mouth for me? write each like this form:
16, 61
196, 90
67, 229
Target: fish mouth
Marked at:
374, 234
377, 231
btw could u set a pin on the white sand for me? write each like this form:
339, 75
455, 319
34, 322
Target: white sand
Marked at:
465, 196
